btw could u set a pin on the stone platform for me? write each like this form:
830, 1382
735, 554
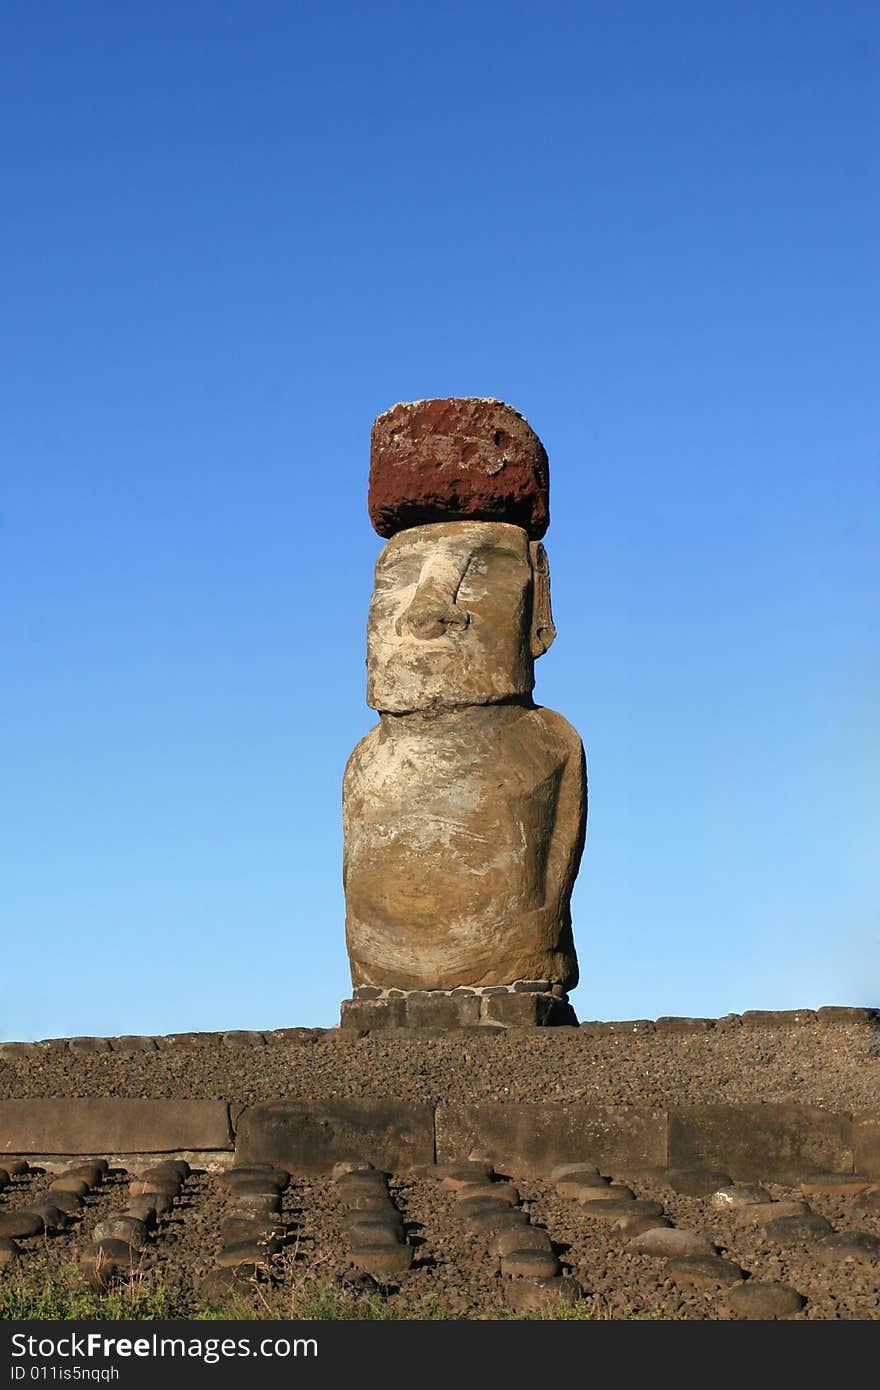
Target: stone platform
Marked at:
523, 1004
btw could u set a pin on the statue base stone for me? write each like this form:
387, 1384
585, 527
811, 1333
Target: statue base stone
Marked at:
523, 1004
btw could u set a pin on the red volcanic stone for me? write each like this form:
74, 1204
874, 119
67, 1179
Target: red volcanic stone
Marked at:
462, 459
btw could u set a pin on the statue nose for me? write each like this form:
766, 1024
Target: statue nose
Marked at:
431, 612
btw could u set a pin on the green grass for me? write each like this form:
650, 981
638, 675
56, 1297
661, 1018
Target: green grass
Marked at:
35, 1291
65, 1295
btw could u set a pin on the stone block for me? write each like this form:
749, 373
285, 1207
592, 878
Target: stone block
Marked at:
866, 1142
524, 1140
526, 1010
835, 1013
463, 459
310, 1136
426, 1009
113, 1125
373, 1014
594, 1028
777, 1018
760, 1141
671, 1024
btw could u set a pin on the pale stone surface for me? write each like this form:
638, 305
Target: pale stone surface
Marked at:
464, 809
463, 834
459, 612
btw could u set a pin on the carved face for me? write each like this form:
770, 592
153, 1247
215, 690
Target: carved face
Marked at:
459, 611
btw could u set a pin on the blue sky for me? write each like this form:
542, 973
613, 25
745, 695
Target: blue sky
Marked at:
232, 235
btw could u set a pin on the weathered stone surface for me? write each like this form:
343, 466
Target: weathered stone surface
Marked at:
425, 1009
113, 1125
21, 1223
132, 1043
475, 1206
777, 1018
78, 1187
493, 1217
150, 1187
703, 1271
373, 1014
9, 1252
835, 1013
368, 1201
611, 1212
385, 1216
65, 1201
529, 1140
235, 1230
450, 785
105, 1262
457, 1176
667, 1242
531, 1264
755, 1299
793, 1230
382, 1260
868, 1203
127, 1228
697, 1182
519, 1237
456, 459
570, 1187
673, 1024
589, 1195
594, 1028
531, 986
526, 1296
243, 1037
866, 1142
367, 1181
858, 1247
583, 1171
90, 1171
759, 1213
257, 1204
90, 1045
309, 1137
249, 1252
741, 1194
630, 1225
54, 1218
459, 612
835, 1185
759, 1141
178, 1170
350, 1165
498, 1191
527, 1010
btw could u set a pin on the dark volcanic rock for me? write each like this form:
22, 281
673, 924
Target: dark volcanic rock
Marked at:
463, 459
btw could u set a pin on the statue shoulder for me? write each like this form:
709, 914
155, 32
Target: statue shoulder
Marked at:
364, 749
559, 731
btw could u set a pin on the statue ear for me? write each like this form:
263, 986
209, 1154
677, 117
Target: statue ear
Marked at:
543, 631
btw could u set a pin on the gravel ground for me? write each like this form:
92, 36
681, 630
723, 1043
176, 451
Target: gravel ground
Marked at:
453, 1271
834, 1066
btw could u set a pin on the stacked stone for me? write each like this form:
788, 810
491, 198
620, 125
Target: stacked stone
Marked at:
373, 1225
492, 1211
464, 809
118, 1241
53, 1211
253, 1229
522, 1004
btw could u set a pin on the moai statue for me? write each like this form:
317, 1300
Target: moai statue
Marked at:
464, 808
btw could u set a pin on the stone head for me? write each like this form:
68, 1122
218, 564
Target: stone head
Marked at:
459, 612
